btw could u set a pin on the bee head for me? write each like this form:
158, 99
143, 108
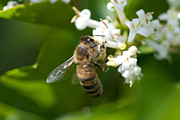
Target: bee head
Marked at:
87, 40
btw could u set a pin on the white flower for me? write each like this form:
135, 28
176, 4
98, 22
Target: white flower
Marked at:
135, 27
110, 7
10, 4
171, 16
84, 20
170, 31
132, 50
106, 30
162, 49
125, 58
118, 5
131, 74
144, 18
110, 35
128, 65
158, 28
174, 3
66, 1
141, 25
156, 24
116, 61
176, 41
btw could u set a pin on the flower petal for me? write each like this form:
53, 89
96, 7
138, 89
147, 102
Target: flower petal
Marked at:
143, 31
131, 36
110, 7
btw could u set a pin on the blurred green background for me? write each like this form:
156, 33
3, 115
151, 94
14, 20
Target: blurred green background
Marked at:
36, 38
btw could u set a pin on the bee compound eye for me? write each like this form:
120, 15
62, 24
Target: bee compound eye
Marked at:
89, 40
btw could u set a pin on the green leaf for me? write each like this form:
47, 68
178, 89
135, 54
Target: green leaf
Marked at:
115, 110
12, 113
169, 108
42, 13
12, 98
20, 43
28, 82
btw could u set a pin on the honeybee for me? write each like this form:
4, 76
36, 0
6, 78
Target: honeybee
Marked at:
88, 56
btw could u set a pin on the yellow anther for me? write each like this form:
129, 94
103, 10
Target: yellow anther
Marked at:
133, 25
138, 23
146, 20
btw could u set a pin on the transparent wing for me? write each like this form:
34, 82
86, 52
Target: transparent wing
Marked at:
58, 73
75, 79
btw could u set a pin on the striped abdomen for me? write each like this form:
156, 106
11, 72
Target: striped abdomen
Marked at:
89, 80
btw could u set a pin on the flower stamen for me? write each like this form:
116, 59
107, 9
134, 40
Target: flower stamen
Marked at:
138, 23
133, 25
131, 83
146, 20
118, 35
73, 19
149, 14
104, 23
159, 30
76, 11
116, 1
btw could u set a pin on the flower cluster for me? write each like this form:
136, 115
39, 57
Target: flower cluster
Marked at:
128, 65
166, 39
144, 30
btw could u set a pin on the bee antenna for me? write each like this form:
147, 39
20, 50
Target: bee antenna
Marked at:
100, 35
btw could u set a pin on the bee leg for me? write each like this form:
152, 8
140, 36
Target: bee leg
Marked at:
94, 45
101, 63
106, 67
102, 50
106, 60
103, 68
97, 65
